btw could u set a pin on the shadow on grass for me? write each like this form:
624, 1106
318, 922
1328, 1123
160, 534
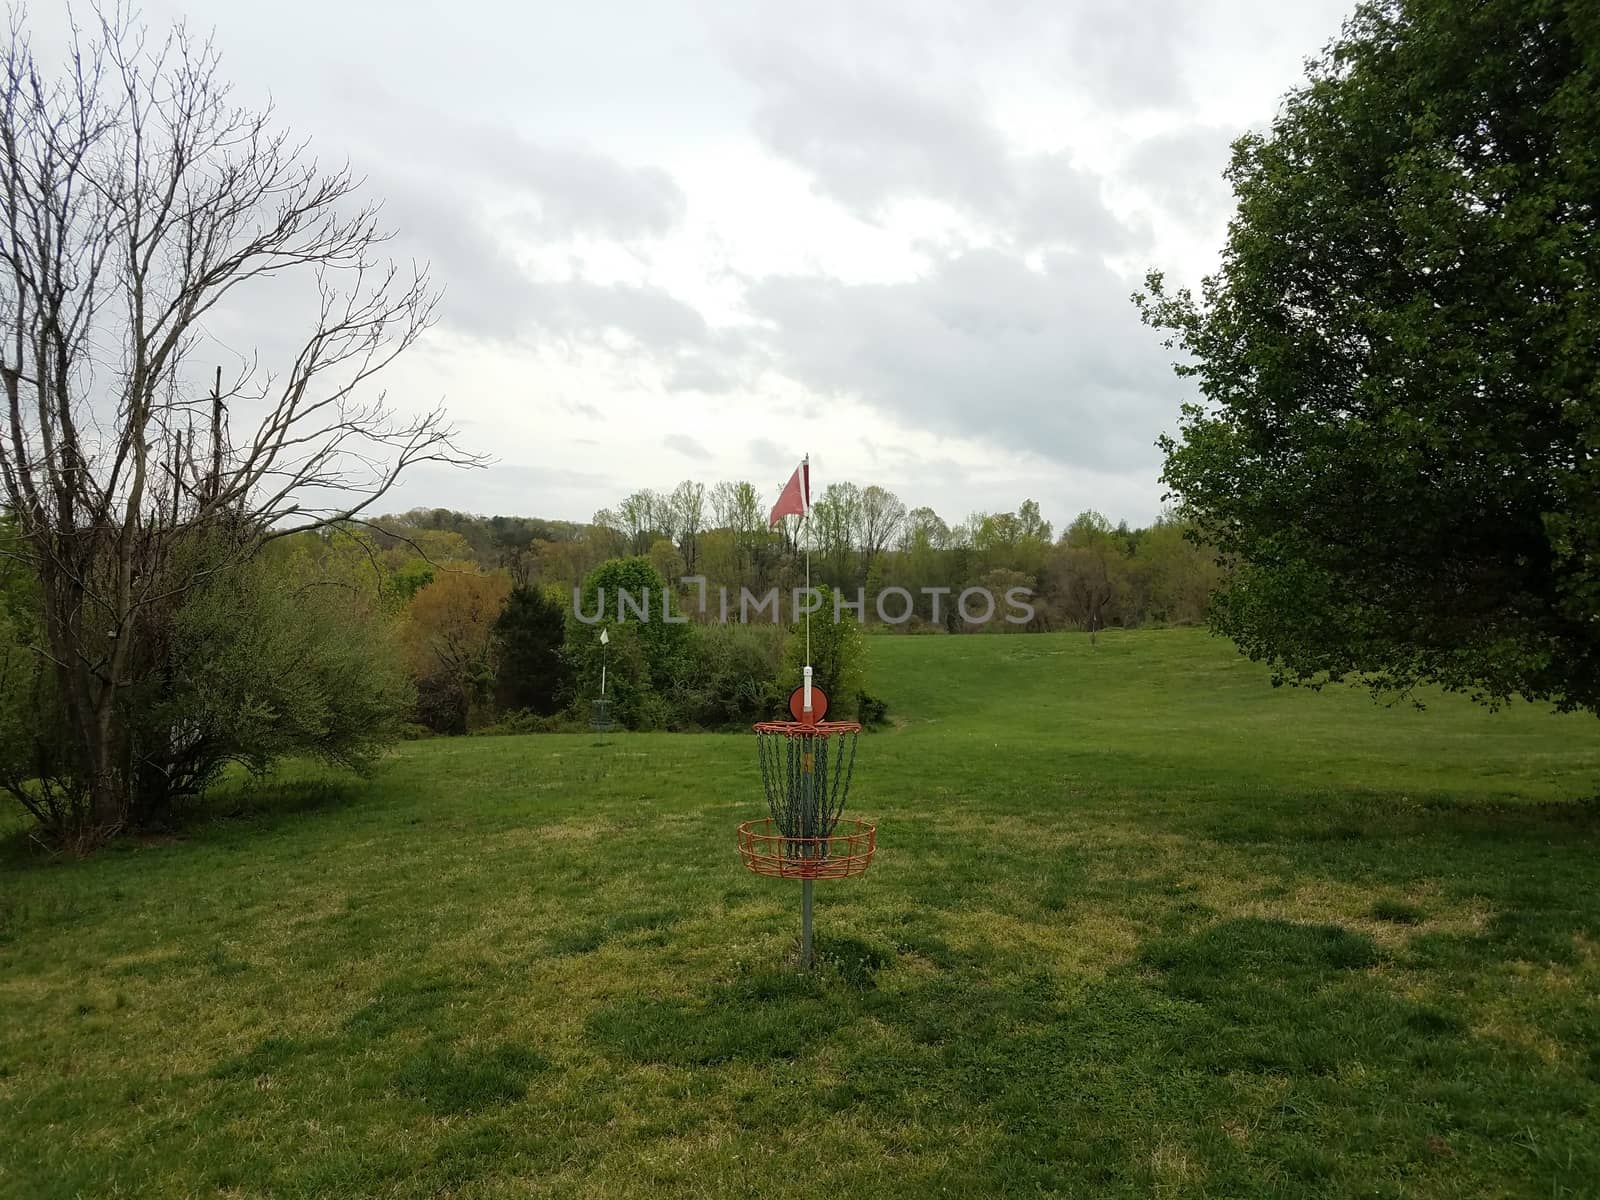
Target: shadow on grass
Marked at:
231, 804
268, 802
651, 923
1249, 1044
768, 1013
449, 1082
1378, 816
403, 1003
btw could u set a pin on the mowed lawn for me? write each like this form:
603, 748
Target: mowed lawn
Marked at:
1140, 925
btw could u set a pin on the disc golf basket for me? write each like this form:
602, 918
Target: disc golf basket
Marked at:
806, 767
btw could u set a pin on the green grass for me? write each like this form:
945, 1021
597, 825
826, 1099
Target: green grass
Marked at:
1140, 925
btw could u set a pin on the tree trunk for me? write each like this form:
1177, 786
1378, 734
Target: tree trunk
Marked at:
90, 704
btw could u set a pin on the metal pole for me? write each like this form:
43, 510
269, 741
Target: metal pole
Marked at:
805, 924
805, 533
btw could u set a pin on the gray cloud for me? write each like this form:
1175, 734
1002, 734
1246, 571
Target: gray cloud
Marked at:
649, 315
485, 290
1053, 361
869, 139
489, 293
767, 453
700, 374
506, 156
1055, 203
1181, 170
435, 201
564, 189
1128, 55
578, 191
686, 446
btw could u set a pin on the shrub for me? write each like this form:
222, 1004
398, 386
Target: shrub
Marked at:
248, 668
524, 721
37, 762
734, 680
442, 703
871, 710
838, 659
259, 669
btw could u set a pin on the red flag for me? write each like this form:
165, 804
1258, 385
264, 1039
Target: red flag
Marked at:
795, 500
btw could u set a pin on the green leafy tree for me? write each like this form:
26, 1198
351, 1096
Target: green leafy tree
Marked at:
835, 518
648, 657
1172, 577
1400, 360
530, 633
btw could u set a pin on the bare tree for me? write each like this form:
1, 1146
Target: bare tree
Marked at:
662, 519
689, 511
135, 197
923, 529
724, 504
835, 520
1091, 576
736, 507
879, 514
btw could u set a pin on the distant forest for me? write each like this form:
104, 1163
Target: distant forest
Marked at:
1090, 575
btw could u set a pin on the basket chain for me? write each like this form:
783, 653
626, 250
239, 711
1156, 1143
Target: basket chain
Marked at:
796, 810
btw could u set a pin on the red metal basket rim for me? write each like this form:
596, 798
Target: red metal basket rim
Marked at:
842, 856
801, 729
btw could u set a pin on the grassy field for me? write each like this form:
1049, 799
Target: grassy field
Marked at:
1140, 926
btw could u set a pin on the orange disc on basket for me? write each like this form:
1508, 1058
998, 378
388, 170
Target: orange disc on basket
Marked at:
819, 704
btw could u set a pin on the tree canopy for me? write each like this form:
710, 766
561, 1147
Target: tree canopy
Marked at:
1400, 360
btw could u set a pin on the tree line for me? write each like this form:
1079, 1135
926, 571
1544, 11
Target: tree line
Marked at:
1091, 576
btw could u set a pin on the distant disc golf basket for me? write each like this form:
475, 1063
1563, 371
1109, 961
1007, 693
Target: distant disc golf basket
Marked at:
602, 706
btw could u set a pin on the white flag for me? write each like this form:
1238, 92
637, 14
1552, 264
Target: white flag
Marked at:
605, 638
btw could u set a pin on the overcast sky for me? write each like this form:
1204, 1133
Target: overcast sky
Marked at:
693, 240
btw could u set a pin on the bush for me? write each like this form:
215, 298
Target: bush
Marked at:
247, 667
442, 703
838, 660
38, 765
524, 721
257, 670
734, 681
871, 710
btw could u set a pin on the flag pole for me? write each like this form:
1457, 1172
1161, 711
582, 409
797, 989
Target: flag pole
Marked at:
805, 497
813, 822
